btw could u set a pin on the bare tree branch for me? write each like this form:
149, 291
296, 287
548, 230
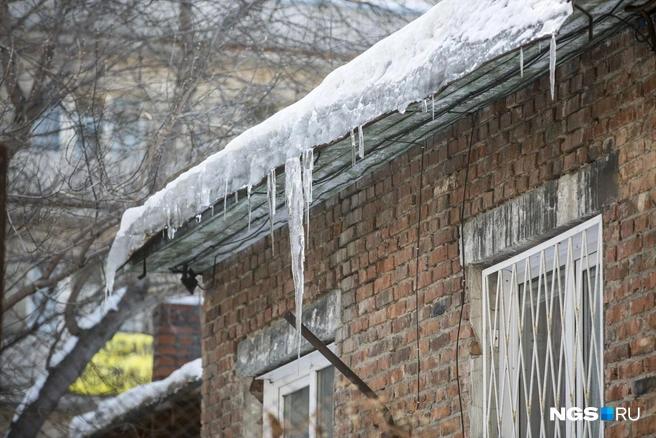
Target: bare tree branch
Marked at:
64, 373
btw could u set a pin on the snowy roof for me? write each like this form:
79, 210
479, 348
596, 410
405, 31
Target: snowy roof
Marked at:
114, 409
452, 59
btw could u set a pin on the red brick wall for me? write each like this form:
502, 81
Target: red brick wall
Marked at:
177, 337
363, 239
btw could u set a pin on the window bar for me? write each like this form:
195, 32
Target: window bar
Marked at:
346, 371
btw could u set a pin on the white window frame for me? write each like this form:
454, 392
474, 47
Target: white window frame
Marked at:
501, 373
290, 378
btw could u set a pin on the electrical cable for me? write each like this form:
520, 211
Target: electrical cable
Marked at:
462, 267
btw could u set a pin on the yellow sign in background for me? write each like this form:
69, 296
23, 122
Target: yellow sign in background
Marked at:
126, 361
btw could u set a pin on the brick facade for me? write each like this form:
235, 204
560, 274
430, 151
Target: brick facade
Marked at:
177, 337
362, 241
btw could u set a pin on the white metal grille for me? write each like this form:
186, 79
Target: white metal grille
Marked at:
542, 337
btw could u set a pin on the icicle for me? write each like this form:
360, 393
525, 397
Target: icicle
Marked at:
225, 199
521, 62
352, 148
433, 109
295, 198
236, 196
198, 217
361, 140
170, 231
425, 104
248, 194
552, 66
308, 166
271, 200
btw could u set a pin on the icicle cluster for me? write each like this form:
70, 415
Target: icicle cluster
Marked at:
417, 61
295, 206
271, 200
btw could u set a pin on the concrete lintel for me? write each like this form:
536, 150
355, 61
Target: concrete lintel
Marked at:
542, 213
276, 345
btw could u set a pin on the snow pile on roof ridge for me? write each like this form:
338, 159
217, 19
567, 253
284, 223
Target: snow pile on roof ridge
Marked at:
451, 40
112, 409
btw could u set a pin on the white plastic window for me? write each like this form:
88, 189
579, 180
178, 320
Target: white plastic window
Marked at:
542, 343
299, 398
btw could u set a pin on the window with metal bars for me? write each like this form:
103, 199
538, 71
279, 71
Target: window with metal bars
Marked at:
542, 336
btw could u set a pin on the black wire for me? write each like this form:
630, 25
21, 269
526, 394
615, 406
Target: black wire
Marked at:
421, 187
462, 268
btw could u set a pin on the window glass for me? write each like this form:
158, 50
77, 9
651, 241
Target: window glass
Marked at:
536, 342
297, 413
326, 380
45, 133
126, 124
88, 135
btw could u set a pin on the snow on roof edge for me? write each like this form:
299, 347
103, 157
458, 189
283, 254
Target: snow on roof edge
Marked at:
451, 40
188, 300
111, 409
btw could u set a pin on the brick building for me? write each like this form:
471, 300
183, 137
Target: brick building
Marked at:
177, 335
550, 204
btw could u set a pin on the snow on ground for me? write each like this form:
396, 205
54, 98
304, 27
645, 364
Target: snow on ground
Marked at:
112, 409
452, 39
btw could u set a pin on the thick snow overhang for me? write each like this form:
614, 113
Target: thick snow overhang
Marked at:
458, 57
